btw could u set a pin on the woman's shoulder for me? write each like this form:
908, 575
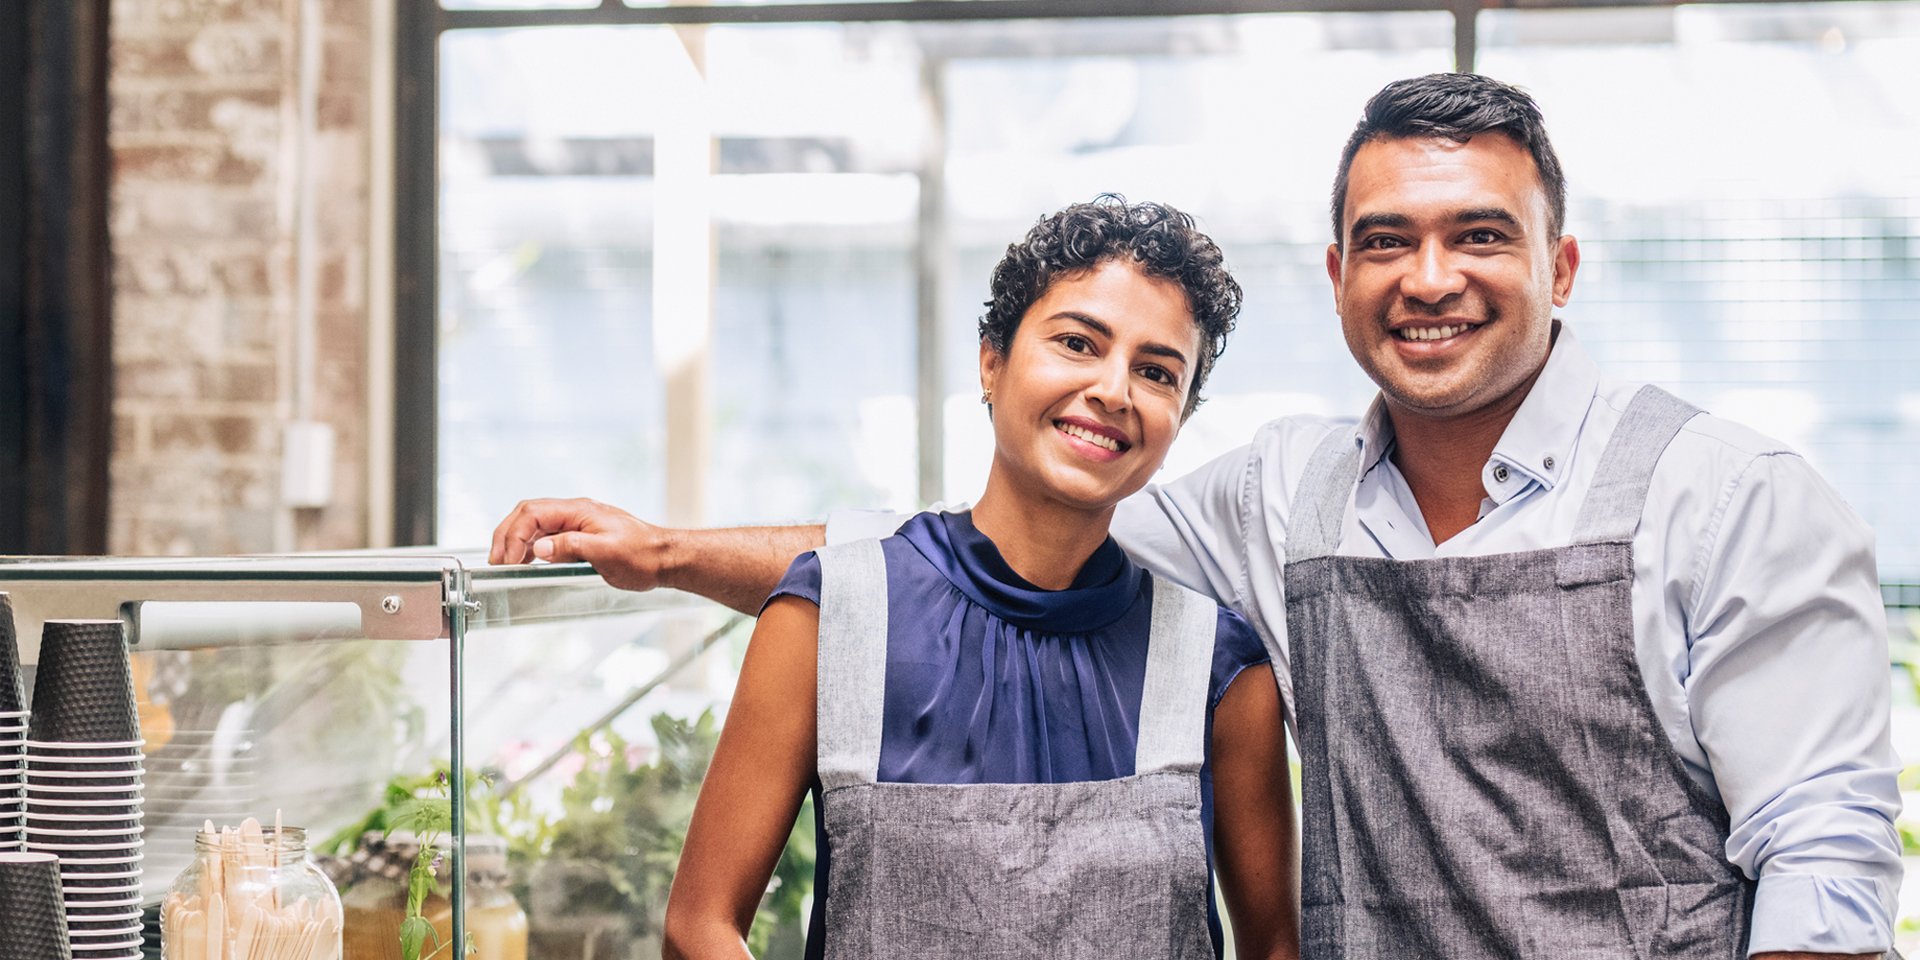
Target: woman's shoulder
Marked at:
802, 579
1236, 647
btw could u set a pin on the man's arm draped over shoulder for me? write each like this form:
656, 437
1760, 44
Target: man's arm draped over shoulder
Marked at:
737, 566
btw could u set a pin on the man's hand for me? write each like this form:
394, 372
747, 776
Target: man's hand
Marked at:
629, 552
737, 567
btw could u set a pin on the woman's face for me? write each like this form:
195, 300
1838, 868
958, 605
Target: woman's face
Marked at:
1089, 395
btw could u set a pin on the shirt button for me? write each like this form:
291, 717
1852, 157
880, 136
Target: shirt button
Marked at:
1500, 473
1548, 463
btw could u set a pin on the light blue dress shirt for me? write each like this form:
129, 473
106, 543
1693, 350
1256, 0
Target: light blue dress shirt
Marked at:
1758, 622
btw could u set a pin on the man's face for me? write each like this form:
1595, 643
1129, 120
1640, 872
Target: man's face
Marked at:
1449, 275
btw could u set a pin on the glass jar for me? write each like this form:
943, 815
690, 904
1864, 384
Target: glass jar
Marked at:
376, 903
251, 894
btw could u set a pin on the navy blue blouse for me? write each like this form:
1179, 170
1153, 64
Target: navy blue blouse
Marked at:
991, 679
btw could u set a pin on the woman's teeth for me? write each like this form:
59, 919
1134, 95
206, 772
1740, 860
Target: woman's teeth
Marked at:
1089, 436
1432, 333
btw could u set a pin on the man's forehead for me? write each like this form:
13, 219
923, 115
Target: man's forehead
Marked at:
1491, 169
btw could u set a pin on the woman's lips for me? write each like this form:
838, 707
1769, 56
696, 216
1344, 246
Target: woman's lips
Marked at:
1092, 439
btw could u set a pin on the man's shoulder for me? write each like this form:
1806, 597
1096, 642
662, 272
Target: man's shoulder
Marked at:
1712, 452
1707, 434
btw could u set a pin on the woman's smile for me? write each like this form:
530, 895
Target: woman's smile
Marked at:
1093, 440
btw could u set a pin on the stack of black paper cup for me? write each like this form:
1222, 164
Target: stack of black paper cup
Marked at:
13, 732
36, 924
84, 780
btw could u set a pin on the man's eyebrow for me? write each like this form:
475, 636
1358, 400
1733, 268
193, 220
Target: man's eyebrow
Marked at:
1395, 221
1495, 214
1100, 327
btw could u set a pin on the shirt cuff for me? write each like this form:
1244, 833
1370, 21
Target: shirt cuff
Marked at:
846, 526
1817, 913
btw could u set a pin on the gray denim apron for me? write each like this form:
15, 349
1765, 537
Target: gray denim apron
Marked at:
1484, 775
1107, 870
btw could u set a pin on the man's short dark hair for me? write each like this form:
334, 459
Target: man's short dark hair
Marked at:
1155, 238
1456, 106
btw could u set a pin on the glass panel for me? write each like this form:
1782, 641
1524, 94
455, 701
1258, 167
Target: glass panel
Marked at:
589, 739
277, 703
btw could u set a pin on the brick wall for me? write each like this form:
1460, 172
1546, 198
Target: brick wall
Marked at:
203, 132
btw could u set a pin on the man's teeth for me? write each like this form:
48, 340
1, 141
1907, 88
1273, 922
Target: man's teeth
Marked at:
1432, 333
1089, 436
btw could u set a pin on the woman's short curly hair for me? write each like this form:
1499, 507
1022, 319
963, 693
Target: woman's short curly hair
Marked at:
1158, 239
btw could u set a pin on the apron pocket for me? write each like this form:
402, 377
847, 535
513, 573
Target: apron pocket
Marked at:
960, 893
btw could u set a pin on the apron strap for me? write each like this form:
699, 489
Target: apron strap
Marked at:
1320, 505
852, 672
1173, 696
1619, 492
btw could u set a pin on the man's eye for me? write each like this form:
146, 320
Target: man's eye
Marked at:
1379, 242
1482, 236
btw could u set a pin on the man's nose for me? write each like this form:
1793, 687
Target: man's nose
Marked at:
1433, 276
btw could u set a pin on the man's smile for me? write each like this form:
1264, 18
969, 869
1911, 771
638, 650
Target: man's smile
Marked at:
1426, 332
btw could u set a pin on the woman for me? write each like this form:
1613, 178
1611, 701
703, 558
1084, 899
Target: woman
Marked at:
1021, 745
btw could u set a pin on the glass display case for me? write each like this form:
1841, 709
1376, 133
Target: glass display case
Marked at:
348, 694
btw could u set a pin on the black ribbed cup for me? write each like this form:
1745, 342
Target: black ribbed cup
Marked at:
12, 691
30, 902
83, 689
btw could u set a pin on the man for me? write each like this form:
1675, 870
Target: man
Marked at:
1575, 672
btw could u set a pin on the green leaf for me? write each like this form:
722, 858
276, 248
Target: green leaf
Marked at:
414, 932
424, 815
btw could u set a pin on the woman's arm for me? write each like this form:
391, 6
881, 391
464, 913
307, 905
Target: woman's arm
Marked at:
1254, 846
760, 773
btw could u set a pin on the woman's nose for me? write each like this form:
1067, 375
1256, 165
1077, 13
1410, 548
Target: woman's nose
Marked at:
1110, 385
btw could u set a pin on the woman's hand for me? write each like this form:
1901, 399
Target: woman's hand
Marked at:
1255, 850
761, 771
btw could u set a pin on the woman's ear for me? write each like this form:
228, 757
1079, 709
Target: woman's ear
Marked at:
990, 363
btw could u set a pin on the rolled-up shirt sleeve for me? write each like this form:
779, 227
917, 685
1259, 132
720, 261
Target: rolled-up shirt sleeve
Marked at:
1789, 698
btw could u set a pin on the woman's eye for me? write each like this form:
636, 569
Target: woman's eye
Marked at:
1076, 344
1157, 375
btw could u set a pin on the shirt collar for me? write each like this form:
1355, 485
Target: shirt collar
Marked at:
1539, 440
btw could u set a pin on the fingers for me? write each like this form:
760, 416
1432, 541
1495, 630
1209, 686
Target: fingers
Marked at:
531, 520
568, 547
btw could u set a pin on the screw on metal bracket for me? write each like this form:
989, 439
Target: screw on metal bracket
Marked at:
472, 607
390, 604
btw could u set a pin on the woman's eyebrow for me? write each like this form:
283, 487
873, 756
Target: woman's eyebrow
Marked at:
1100, 327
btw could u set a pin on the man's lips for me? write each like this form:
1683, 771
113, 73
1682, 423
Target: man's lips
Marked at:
1428, 331
1094, 434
